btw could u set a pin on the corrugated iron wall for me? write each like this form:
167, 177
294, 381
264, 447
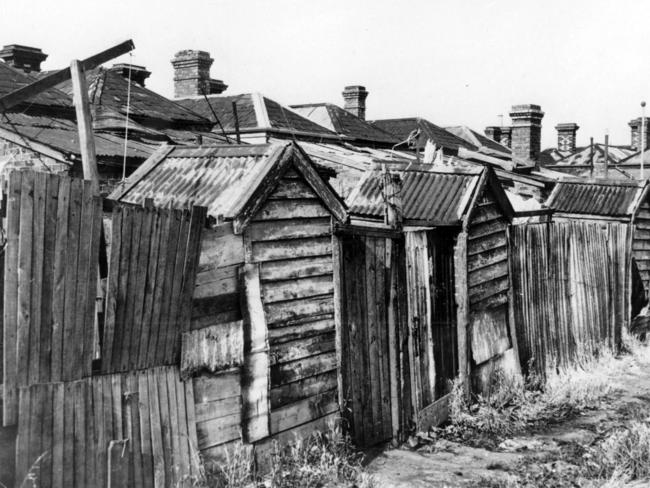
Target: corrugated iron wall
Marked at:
571, 289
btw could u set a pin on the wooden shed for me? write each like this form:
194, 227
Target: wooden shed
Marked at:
261, 350
425, 294
610, 201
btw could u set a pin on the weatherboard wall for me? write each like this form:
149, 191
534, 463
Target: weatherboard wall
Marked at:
641, 243
290, 238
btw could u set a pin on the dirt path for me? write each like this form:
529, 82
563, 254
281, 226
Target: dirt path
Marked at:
553, 452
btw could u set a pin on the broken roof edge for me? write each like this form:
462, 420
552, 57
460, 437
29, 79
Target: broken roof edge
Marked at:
48, 151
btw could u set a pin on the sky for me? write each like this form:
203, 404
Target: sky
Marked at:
456, 62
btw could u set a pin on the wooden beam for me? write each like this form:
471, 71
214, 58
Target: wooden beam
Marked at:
17, 96
84, 124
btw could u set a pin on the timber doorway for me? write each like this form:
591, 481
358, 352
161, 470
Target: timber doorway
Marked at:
433, 339
370, 326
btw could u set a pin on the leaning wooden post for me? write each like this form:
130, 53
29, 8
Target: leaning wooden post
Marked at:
392, 199
84, 124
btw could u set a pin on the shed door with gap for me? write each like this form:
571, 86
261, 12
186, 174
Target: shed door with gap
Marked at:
365, 282
432, 319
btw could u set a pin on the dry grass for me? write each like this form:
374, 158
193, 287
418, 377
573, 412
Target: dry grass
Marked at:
513, 405
319, 460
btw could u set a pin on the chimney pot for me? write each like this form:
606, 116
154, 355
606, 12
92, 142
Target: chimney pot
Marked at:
354, 97
566, 136
493, 132
138, 73
635, 132
526, 131
26, 58
192, 74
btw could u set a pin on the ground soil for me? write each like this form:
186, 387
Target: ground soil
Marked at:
549, 455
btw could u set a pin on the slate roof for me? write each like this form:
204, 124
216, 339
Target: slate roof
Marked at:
255, 113
596, 197
479, 140
401, 128
344, 123
62, 135
109, 89
12, 79
432, 194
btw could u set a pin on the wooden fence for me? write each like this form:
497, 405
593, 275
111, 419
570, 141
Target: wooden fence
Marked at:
137, 428
571, 290
153, 260
51, 256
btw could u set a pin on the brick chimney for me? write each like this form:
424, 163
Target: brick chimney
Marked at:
493, 132
635, 132
354, 97
26, 58
526, 131
138, 73
566, 136
192, 74
506, 136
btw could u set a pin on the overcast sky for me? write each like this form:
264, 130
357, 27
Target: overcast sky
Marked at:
452, 62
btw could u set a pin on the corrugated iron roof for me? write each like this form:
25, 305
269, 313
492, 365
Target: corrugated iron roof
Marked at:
12, 79
606, 198
212, 176
428, 193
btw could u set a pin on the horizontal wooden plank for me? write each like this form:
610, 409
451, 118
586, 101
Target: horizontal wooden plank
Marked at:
217, 409
281, 374
209, 388
641, 233
489, 333
215, 319
485, 213
487, 258
291, 209
209, 306
487, 289
218, 431
640, 245
488, 273
302, 330
212, 349
302, 348
486, 228
486, 243
287, 312
292, 189
218, 251
303, 411
277, 291
493, 301
272, 230
291, 248
299, 390
290, 269
642, 263
217, 281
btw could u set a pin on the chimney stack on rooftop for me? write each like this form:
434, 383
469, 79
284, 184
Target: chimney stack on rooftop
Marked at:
192, 75
138, 73
566, 136
26, 58
354, 97
635, 132
526, 131
499, 134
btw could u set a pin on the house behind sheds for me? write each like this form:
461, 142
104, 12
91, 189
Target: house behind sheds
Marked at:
262, 348
425, 294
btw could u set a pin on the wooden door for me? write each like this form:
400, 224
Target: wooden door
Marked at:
432, 323
365, 364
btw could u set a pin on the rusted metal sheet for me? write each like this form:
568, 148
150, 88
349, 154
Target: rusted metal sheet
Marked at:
427, 195
612, 199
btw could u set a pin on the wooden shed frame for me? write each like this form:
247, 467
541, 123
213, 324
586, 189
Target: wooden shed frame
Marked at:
479, 374
264, 305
